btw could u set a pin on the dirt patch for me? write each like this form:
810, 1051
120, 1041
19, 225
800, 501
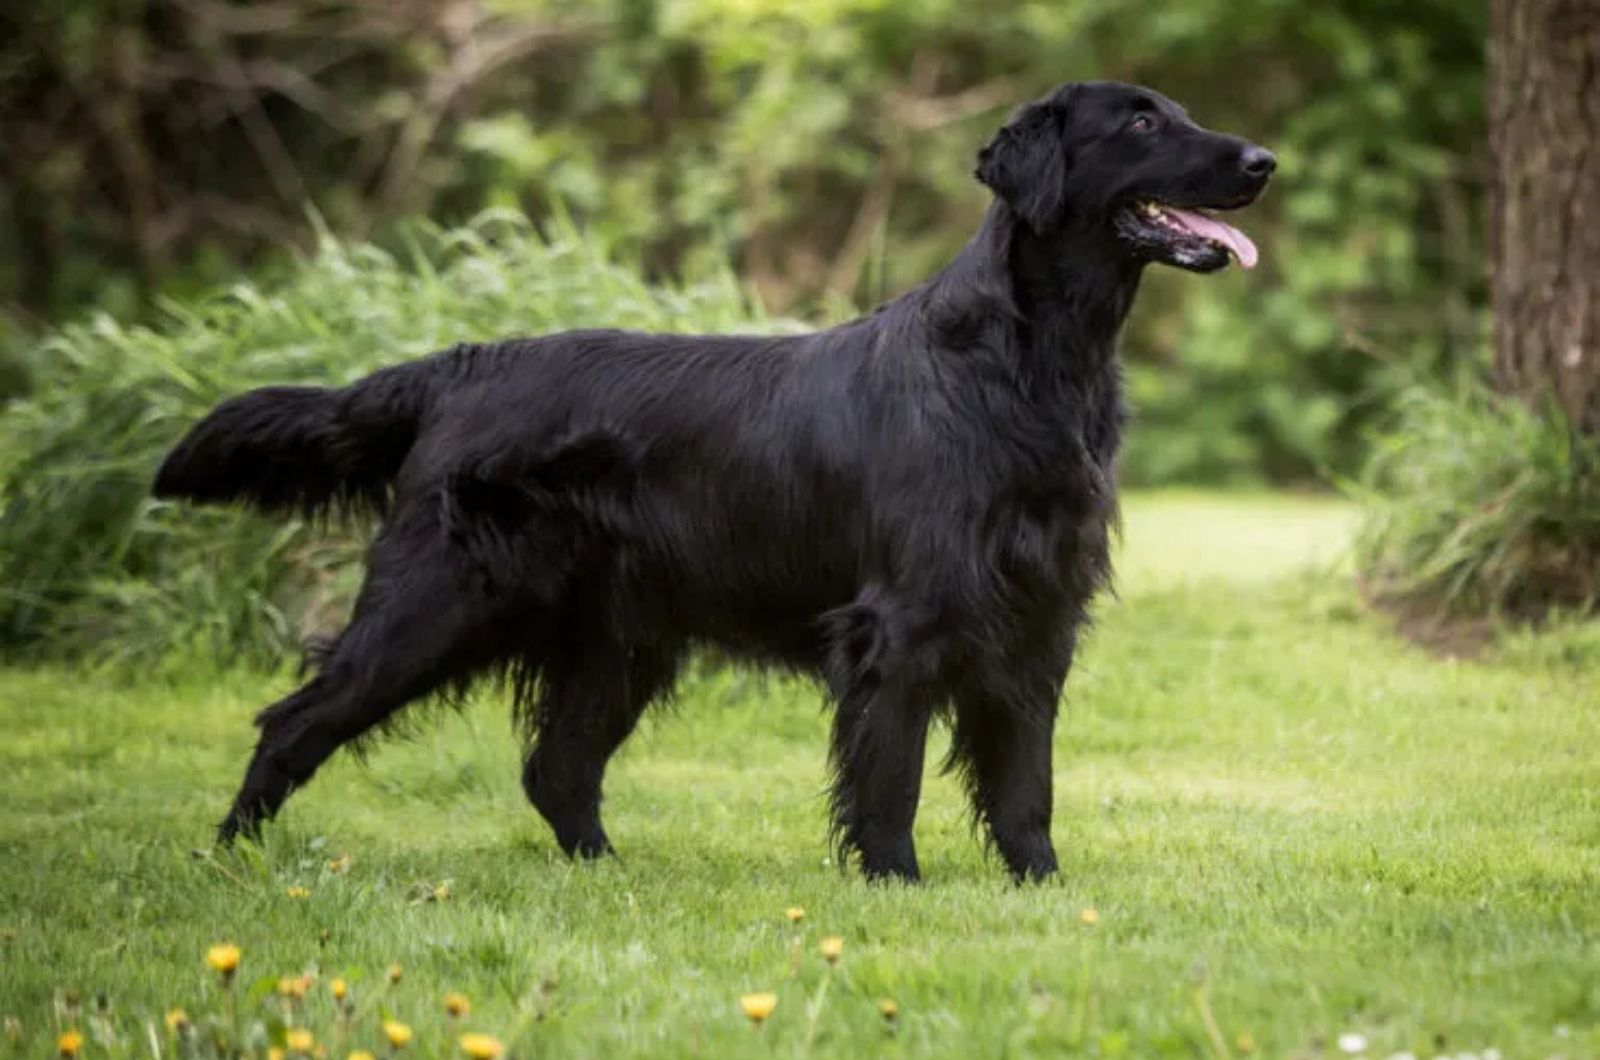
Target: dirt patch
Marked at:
1433, 627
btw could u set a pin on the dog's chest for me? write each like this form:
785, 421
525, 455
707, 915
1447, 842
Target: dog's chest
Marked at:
1050, 541
1049, 517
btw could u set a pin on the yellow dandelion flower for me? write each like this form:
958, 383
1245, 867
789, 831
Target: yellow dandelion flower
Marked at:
482, 1046
794, 914
888, 1008
274, 1053
361, 1054
397, 1033
223, 959
298, 891
831, 948
69, 1043
339, 989
299, 1040
395, 973
339, 864
1090, 916
758, 1006
177, 1020
457, 1005
441, 892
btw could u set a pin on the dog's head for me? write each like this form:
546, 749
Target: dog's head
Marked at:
1101, 157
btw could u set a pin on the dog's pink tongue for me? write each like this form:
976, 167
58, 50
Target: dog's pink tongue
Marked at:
1211, 228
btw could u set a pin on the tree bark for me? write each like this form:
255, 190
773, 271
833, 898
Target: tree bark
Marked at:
1544, 127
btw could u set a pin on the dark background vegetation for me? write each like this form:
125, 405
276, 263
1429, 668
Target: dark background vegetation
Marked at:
157, 147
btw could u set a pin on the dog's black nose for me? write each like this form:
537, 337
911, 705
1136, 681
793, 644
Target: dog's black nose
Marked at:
1258, 161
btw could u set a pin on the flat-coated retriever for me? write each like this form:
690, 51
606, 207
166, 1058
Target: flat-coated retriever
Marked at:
913, 506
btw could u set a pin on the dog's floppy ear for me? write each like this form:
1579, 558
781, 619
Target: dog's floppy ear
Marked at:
1025, 165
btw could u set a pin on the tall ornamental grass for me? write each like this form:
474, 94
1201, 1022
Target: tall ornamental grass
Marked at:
1477, 504
91, 566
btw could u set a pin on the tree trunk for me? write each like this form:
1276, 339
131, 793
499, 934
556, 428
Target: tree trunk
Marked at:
1544, 127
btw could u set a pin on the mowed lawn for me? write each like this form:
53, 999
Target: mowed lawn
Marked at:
1293, 827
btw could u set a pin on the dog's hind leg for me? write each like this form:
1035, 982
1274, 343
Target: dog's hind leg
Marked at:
882, 669
1005, 717
593, 690
422, 621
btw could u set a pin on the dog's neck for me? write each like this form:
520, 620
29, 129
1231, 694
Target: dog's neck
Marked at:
1064, 296
1080, 284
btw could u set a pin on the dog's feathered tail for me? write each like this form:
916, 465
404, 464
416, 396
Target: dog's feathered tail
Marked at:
302, 448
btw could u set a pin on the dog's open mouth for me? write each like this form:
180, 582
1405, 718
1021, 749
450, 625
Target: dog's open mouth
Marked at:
1177, 227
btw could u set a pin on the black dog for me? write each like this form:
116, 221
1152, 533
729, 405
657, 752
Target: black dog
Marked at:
913, 506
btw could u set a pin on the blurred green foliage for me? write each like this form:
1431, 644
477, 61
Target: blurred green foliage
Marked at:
824, 147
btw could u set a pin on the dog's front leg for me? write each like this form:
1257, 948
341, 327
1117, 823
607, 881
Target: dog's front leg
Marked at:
878, 742
1004, 755
1005, 719
882, 675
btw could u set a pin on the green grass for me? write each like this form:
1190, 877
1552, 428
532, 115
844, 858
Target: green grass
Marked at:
1292, 825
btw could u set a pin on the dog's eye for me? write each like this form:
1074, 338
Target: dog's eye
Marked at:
1142, 123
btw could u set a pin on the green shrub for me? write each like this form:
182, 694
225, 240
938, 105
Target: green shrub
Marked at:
90, 564
1477, 504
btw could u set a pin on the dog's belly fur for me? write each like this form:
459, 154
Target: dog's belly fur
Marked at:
783, 560
768, 609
